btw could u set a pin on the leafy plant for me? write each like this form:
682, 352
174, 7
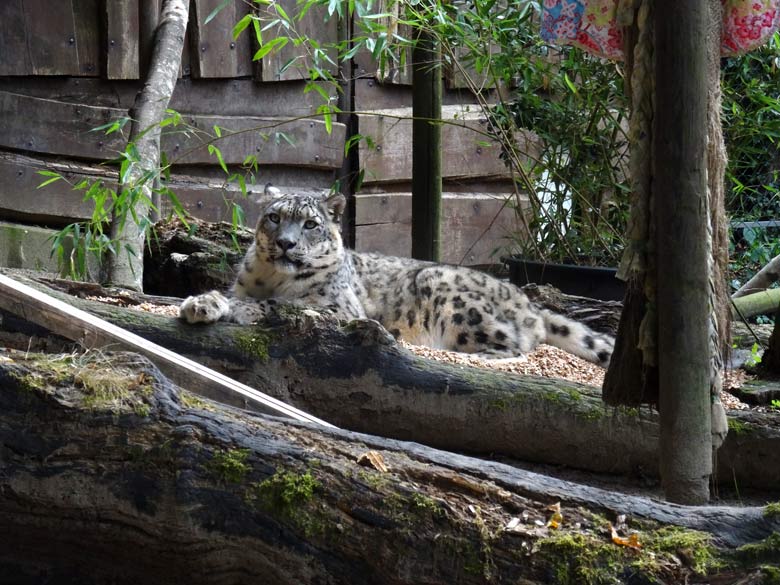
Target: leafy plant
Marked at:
755, 356
574, 171
751, 126
576, 106
77, 242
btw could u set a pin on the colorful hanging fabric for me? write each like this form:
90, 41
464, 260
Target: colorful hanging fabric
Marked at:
593, 25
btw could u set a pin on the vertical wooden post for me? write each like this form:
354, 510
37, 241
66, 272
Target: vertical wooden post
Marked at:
680, 191
426, 149
350, 166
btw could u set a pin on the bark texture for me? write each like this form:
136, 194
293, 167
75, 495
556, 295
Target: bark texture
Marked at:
125, 266
683, 296
162, 487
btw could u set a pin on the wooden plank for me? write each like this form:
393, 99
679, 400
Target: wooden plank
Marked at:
215, 53
49, 126
15, 59
148, 19
465, 75
122, 32
372, 95
314, 25
19, 194
228, 97
474, 225
271, 140
205, 197
51, 35
86, 14
468, 153
92, 332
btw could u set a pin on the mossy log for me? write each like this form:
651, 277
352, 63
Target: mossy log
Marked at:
186, 260
110, 474
357, 377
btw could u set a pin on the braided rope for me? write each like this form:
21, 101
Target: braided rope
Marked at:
639, 257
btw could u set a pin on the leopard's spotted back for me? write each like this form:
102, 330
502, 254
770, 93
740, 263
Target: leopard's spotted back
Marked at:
298, 257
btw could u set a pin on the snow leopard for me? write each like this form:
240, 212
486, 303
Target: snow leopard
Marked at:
298, 257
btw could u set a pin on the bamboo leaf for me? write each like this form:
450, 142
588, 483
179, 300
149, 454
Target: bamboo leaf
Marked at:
212, 15
241, 26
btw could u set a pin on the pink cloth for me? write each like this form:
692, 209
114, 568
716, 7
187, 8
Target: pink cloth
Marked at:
592, 25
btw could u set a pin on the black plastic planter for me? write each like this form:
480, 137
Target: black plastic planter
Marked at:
584, 281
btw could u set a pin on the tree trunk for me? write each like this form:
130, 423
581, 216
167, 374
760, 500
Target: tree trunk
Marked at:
355, 376
681, 216
426, 148
102, 454
125, 264
771, 358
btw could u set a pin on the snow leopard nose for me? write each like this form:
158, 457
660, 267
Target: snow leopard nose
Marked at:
285, 244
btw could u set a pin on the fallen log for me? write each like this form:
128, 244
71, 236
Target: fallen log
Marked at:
357, 377
764, 302
762, 280
100, 454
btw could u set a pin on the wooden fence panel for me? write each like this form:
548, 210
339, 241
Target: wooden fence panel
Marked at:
51, 34
276, 141
399, 70
474, 225
86, 14
292, 62
148, 19
14, 58
214, 52
20, 196
122, 35
468, 152
49, 126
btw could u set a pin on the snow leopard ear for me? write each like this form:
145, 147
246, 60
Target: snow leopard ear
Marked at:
335, 204
272, 191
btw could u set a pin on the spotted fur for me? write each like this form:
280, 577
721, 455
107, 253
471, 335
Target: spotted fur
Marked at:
298, 257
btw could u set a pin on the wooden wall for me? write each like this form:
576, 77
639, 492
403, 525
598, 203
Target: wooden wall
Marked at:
71, 65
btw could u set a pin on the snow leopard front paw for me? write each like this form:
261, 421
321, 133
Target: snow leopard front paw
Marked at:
206, 308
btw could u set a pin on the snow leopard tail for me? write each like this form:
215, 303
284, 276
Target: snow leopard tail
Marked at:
578, 339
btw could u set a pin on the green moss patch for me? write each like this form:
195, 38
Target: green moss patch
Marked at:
230, 466
289, 496
254, 343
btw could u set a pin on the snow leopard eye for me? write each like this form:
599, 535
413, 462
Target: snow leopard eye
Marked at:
274, 218
310, 224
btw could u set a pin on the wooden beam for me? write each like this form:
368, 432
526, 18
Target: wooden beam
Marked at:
426, 148
91, 331
216, 54
681, 217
